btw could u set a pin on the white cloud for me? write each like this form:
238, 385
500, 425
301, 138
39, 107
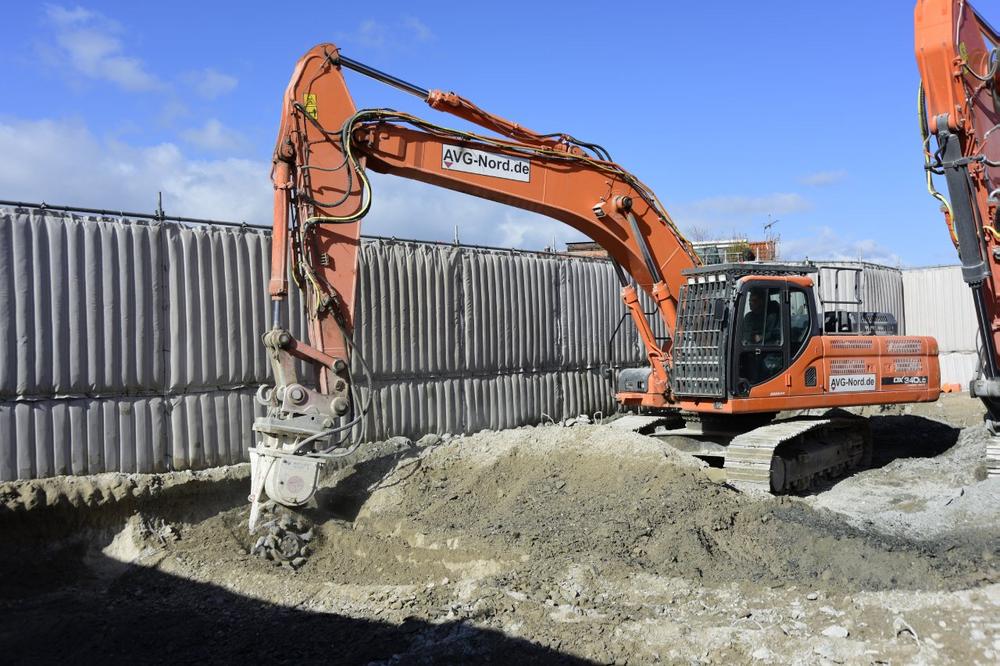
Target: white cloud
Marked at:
726, 215
63, 162
740, 206
826, 244
214, 136
63, 16
374, 34
88, 42
211, 83
418, 29
171, 111
823, 178
371, 33
528, 234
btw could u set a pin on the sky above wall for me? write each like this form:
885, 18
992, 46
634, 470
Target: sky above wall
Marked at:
735, 113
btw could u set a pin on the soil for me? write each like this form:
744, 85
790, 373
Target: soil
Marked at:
579, 544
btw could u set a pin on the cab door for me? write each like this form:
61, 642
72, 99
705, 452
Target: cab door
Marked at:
774, 321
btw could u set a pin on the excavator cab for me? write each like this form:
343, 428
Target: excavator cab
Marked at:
762, 319
750, 339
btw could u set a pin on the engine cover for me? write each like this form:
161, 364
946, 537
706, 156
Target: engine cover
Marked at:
633, 380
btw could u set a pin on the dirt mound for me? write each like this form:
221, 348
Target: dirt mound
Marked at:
551, 495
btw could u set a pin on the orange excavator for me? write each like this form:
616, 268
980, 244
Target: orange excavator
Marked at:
745, 341
959, 105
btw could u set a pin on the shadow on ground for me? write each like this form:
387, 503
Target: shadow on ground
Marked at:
145, 616
898, 437
63, 600
909, 436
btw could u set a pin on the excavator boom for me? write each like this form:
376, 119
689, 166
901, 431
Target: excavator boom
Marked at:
322, 192
959, 102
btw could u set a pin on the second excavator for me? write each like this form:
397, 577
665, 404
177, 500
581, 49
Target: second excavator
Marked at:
959, 105
745, 341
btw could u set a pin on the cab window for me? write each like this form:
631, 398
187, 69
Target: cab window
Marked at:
800, 322
762, 335
762, 316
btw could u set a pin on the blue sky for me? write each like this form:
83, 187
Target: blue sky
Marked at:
730, 111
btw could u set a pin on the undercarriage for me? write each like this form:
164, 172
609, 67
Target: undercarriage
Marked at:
762, 453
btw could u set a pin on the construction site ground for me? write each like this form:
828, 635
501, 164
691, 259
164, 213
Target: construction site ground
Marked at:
534, 545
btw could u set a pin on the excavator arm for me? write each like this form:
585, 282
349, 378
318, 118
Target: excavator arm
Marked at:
959, 105
321, 194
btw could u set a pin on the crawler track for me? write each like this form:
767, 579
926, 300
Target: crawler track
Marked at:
791, 455
797, 454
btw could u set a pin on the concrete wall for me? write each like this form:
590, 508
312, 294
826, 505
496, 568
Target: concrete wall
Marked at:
135, 346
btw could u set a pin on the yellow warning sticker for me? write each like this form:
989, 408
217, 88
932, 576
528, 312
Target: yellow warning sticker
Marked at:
311, 107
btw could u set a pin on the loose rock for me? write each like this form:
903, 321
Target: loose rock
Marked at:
836, 631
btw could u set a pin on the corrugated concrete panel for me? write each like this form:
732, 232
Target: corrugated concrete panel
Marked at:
484, 311
586, 392
211, 429
217, 306
409, 309
414, 408
511, 311
88, 436
591, 307
82, 436
939, 303
216, 282
151, 333
66, 283
507, 401
155, 330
